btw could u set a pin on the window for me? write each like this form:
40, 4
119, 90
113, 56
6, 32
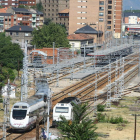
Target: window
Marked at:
101, 2
109, 17
101, 8
109, 7
62, 110
109, 2
108, 22
16, 33
101, 19
26, 34
108, 27
10, 33
19, 114
101, 14
109, 12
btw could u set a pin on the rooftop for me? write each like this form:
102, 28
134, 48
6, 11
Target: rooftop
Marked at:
20, 28
87, 30
21, 10
6, 14
79, 37
64, 11
3, 10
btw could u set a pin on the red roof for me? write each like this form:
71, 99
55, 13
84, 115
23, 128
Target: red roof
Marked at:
79, 37
3, 10
64, 11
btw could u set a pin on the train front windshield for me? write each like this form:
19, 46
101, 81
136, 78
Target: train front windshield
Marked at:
19, 114
62, 110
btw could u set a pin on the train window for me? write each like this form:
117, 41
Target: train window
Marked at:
19, 114
16, 106
62, 110
24, 106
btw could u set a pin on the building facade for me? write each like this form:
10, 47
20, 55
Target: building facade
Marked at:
7, 20
103, 15
16, 3
53, 9
118, 9
20, 34
26, 17
88, 12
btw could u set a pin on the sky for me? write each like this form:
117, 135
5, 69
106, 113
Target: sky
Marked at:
134, 4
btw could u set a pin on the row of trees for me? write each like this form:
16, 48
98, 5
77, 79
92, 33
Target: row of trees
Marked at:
11, 57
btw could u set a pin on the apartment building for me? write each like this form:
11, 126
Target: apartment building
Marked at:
88, 12
7, 20
26, 17
16, 3
103, 15
118, 8
7, 3
57, 11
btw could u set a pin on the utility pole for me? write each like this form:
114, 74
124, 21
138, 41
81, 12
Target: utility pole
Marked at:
72, 61
6, 110
18, 68
53, 51
48, 121
84, 56
58, 58
109, 86
95, 94
135, 127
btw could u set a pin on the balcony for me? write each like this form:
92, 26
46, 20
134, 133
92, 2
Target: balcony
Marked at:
41, 18
33, 15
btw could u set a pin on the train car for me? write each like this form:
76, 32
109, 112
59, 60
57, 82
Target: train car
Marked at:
64, 108
21, 117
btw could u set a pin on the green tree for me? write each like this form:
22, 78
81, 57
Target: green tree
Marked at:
39, 6
47, 21
81, 128
45, 36
10, 53
21, 6
5, 74
4, 40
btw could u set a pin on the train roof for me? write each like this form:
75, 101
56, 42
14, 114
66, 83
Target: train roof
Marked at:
31, 100
68, 100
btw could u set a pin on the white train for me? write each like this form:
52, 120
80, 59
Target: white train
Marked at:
20, 118
64, 108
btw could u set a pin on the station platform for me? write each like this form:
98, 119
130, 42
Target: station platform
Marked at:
124, 48
83, 73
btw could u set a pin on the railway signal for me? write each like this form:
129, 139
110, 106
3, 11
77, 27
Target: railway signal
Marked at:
45, 98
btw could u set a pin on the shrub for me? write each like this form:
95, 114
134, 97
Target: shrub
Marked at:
101, 117
114, 120
100, 108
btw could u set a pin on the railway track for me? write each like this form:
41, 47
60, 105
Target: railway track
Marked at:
81, 92
86, 86
104, 95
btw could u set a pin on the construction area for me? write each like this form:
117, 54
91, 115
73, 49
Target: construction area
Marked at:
105, 75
